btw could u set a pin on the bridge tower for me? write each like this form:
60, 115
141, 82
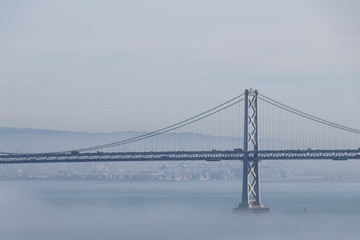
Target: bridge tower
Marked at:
251, 199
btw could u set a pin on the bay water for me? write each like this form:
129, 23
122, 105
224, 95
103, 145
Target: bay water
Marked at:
84, 210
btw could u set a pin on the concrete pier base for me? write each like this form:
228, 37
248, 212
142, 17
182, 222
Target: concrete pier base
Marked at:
251, 208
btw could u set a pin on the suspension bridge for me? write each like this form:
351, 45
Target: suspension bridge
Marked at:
250, 127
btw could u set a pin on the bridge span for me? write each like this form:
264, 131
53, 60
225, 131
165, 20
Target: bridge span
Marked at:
275, 126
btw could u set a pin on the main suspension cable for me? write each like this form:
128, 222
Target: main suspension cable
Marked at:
308, 116
183, 123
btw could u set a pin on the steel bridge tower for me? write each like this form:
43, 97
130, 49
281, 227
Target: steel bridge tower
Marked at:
251, 199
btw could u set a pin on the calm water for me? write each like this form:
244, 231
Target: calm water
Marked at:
176, 210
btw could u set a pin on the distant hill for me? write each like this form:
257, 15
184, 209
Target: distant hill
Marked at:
38, 140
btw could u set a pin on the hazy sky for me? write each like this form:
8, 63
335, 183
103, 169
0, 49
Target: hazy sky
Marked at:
141, 65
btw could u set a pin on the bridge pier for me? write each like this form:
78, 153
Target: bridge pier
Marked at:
251, 199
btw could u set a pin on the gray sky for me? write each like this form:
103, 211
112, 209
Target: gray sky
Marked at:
141, 65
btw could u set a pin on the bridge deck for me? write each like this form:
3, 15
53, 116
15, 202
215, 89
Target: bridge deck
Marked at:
179, 156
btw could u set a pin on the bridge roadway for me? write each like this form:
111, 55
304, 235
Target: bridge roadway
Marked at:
179, 156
